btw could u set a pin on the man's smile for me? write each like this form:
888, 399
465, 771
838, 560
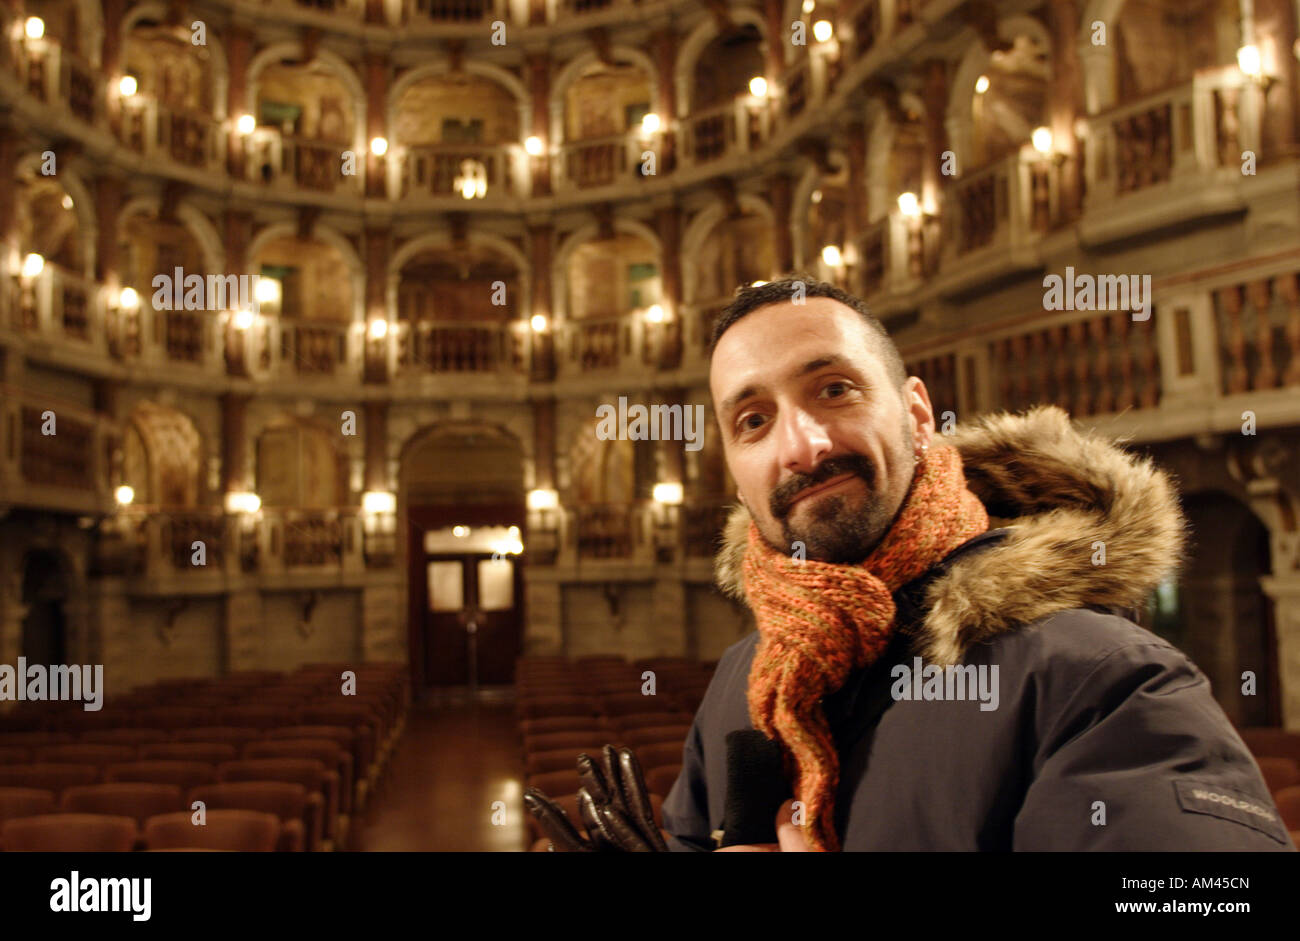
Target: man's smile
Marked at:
831, 484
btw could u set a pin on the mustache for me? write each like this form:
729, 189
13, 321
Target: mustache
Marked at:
787, 492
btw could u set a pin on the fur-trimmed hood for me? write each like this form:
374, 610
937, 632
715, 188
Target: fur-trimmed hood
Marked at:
1060, 492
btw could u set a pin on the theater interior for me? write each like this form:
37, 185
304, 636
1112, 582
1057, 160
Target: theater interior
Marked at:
308, 309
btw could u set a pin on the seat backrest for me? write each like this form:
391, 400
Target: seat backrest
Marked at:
15, 754
308, 772
210, 752
85, 753
323, 750
1278, 772
34, 739
136, 799
226, 734
575, 741
282, 798
183, 774
69, 833
635, 738
51, 777
246, 831
26, 802
658, 754
660, 780
1288, 805
259, 717
123, 736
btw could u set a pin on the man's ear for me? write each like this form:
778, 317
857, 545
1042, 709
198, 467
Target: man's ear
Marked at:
916, 399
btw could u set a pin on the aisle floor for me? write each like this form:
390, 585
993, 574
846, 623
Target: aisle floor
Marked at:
452, 763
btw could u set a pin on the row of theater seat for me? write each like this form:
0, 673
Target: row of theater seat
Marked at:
1277, 752
566, 707
309, 763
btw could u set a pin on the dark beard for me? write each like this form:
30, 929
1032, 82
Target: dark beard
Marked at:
837, 532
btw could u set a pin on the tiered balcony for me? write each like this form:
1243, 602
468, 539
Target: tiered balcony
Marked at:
451, 12
191, 138
440, 348
432, 170
197, 543
602, 161
1171, 157
286, 161
734, 127
58, 77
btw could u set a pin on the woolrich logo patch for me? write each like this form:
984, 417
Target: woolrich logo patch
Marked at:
1229, 804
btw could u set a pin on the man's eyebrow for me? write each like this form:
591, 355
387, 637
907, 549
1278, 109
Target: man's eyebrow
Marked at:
820, 362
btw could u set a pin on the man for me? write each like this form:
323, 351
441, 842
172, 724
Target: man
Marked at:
931, 680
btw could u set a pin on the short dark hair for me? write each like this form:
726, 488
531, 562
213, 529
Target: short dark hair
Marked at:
749, 298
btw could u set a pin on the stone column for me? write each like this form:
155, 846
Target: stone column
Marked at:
1065, 101
664, 46
376, 72
668, 222
1284, 591
9, 144
378, 244
935, 94
538, 71
239, 48
108, 204
234, 443
1275, 34
376, 418
778, 32
780, 195
857, 156
542, 367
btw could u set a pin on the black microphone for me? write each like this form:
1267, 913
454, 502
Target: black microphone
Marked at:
756, 788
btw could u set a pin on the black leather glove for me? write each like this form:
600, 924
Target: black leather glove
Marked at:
613, 804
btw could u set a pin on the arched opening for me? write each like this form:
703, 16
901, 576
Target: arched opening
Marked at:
462, 487
45, 592
1216, 611
441, 122
738, 251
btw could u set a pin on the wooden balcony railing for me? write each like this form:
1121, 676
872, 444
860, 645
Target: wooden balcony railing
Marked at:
62, 459
313, 539
451, 11
702, 525
599, 344
1174, 136
190, 138
1004, 206
601, 161
313, 349
59, 77
279, 159
184, 332
606, 531
455, 347
432, 169
1257, 325
185, 528
712, 132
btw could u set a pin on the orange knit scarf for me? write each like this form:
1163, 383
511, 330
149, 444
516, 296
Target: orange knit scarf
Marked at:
818, 622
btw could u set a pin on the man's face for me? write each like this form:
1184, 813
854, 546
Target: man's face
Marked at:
819, 440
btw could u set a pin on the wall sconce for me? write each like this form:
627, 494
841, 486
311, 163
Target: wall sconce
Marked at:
376, 502
831, 256
650, 123
981, 84
34, 27
533, 145
379, 146
667, 500
33, 265
909, 205
127, 86
379, 518
246, 124
378, 329
758, 86
654, 314
245, 502
1044, 143
460, 532
124, 495
823, 30
1251, 64
268, 291
539, 323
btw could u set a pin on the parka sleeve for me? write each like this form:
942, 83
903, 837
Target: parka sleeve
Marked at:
1139, 756
685, 810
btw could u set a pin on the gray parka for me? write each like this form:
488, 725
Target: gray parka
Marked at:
1080, 730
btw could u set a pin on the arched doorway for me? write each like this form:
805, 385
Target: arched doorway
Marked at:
1218, 614
45, 592
461, 494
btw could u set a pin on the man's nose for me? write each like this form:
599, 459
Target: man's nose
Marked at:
804, 441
